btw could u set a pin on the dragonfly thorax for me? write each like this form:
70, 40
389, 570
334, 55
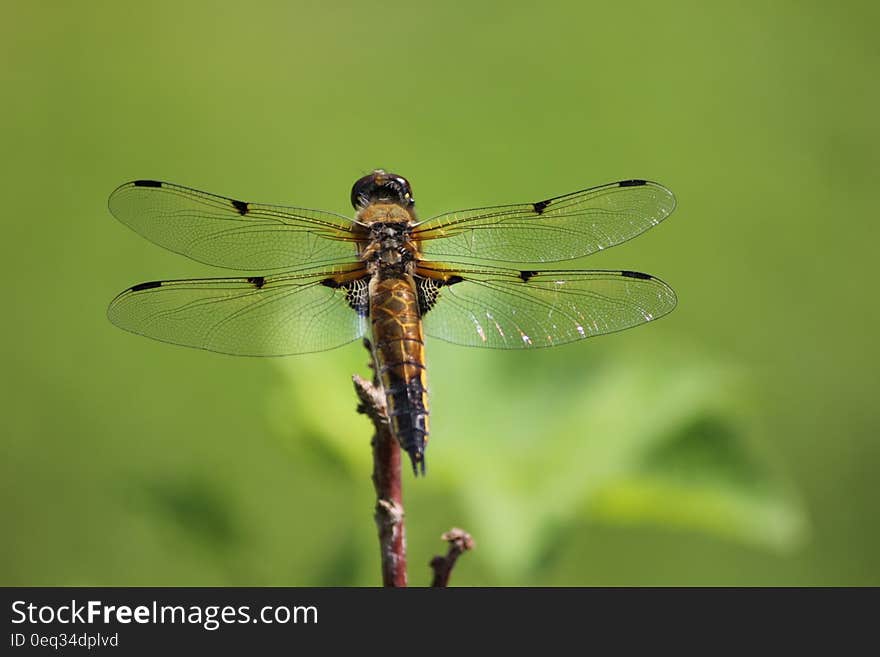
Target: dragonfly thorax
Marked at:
390, 246
387, 235
390, 234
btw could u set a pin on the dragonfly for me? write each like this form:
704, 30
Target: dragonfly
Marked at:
316, 280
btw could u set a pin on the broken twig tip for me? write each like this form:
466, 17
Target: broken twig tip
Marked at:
459, 543
460, 539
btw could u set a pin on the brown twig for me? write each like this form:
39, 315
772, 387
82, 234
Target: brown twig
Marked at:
459, 543
386, 480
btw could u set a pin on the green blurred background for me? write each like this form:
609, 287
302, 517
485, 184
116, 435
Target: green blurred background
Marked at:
734, 442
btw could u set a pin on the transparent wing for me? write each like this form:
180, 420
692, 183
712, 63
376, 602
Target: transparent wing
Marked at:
256, 316
225, 232
555, 229
508, 309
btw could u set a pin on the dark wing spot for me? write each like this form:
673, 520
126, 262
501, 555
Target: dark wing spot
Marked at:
241, 206
636, 274
632, 183
540, 206
526, 276
428, 290
257, 281
147, 183
329, 282
146, 286
357, 296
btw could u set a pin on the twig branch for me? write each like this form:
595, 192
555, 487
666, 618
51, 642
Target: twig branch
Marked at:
459, 543
386, 480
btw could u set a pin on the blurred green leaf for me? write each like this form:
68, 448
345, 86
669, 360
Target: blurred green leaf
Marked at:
194, 506
628, 439
705, 477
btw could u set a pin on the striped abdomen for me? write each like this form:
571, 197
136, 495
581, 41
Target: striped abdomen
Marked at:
399, 351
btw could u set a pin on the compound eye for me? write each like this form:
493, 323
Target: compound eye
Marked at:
400, 186
380, 186
361, 191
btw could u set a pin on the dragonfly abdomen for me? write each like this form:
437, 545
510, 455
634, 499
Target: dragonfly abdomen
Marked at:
399, 351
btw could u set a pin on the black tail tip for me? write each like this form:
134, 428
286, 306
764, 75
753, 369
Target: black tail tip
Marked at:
418, 461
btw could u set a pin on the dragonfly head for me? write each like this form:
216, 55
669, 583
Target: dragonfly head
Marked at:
382, 187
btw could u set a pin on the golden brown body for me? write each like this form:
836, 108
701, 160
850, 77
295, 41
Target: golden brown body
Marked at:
399, 352
398, 339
